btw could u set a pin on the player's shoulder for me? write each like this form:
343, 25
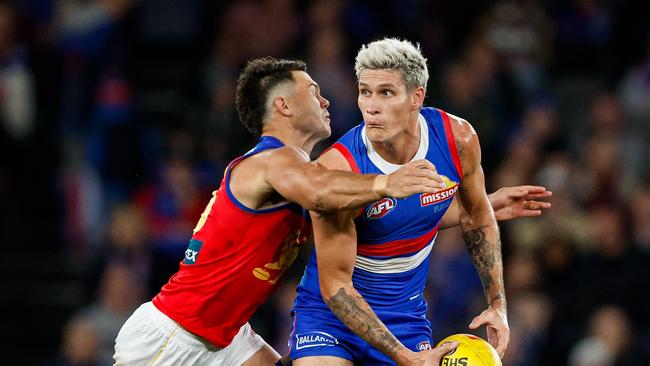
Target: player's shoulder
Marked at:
334, 159
462, 129
274, 158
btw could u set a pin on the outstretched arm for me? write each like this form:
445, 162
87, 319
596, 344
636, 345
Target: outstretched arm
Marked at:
508, 203
481, 235
317, 188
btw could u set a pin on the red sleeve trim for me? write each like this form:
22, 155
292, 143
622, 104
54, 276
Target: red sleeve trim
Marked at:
351, 162
451, 142
346, 154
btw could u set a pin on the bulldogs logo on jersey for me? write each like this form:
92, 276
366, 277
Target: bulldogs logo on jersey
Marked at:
381, 208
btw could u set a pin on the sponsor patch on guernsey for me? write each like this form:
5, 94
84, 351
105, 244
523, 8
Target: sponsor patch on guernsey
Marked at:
192, 252
315, 339
427, 199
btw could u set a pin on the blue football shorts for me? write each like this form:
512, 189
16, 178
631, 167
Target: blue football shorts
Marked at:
316, 331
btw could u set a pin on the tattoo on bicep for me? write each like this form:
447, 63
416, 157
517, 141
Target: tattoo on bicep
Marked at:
356, 313
483, 254
459, 146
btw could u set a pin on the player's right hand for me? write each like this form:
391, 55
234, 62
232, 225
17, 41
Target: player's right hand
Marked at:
418, 176
432, 357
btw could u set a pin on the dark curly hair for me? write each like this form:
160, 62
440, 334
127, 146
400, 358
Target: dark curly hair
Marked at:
255, 81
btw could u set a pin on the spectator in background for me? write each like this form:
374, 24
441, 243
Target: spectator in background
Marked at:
17, 123
171, 207
120, 294
86, 32
327, 64
127, 243
635, 92
612, 153
462, 93
118, 147
16, 84
16, 87
531, 315
81, 343
519, 33
639, 205
608, 339
583, 33
639, 209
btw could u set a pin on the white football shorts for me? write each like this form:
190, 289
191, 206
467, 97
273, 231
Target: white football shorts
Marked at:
151, 338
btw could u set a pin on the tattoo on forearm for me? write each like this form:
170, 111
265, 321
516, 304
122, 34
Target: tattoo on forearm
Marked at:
356, 313
497, 297
484, 255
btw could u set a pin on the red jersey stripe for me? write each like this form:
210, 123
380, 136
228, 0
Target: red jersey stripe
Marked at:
397, 247
453, 149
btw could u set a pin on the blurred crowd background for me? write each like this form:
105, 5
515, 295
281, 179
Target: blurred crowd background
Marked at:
117, 119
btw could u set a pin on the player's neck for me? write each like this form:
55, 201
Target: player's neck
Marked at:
403, 147
292, 137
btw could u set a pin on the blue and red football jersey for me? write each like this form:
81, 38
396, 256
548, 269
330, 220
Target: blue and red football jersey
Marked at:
395, 236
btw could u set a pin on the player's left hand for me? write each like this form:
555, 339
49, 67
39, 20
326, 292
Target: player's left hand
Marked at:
520, 201
498, 331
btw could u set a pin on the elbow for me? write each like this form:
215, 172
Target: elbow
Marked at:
329, 289
315, 201
465, 220
320, 200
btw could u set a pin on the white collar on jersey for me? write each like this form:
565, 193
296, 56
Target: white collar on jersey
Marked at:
388, 168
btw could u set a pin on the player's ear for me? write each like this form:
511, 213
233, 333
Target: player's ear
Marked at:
417, 97
281, 105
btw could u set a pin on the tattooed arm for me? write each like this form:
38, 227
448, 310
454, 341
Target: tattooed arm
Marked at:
481, 235
335, 237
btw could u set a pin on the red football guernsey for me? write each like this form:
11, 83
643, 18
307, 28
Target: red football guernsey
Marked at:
233, 262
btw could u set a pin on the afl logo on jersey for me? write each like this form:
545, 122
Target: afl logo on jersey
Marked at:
381, 208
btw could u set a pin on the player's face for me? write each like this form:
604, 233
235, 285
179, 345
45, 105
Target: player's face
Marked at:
310, 107
386, 104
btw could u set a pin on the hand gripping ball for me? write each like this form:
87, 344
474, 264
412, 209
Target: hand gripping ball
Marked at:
471, 351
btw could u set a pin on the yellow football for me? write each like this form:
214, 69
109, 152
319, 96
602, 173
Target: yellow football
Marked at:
471, 351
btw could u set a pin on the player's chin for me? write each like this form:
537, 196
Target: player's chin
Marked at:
376, 135
325, 132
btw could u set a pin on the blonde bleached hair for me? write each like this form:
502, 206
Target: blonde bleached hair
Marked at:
395, 55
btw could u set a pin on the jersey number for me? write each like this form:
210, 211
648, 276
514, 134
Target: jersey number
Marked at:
206, 212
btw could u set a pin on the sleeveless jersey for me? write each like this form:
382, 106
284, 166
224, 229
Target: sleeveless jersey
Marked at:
233, 261
395, 236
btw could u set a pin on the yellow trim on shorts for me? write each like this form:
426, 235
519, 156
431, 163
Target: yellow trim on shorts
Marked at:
160, 351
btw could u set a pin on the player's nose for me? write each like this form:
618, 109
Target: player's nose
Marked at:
372, 107
324, 103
